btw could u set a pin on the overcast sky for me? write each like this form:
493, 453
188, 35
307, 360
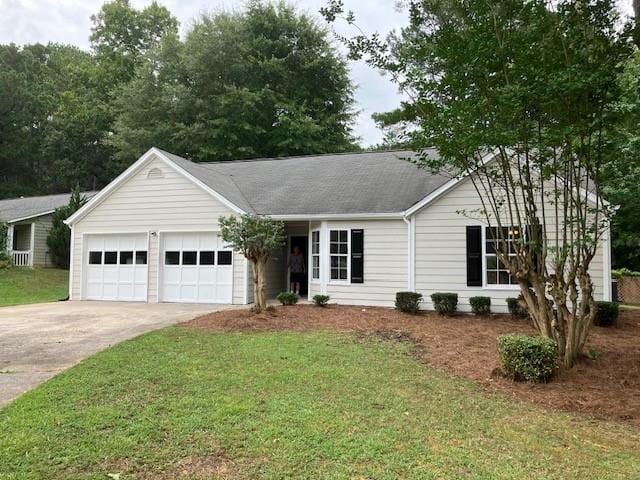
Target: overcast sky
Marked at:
68, 21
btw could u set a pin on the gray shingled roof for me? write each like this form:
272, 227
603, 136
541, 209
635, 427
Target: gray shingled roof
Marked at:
27, 207
350, 183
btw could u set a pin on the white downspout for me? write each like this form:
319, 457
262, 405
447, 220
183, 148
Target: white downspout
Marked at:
411, 253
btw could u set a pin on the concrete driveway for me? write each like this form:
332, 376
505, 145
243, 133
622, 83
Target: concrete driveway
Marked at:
38, 341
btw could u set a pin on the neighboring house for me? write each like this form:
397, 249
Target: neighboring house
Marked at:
370, 225
29, 220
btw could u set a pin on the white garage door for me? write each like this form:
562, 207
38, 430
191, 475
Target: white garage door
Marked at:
116, 267
196, 268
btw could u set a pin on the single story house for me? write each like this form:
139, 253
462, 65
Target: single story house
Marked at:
29, 220
370, 224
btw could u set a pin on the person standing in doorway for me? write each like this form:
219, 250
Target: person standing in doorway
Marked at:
297, 270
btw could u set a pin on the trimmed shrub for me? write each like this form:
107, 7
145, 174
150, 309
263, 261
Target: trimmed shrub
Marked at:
445, 303
408, 302
513, 304
525, 358
287, 298
480, 305
607, 314
624, 272
5, 260
321, 300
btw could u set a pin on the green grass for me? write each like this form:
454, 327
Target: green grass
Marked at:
291, 405
32, 285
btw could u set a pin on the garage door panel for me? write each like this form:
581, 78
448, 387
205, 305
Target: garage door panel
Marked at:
194, 279
112, 273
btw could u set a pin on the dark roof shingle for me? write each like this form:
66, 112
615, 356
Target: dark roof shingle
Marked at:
28, 207
350, 183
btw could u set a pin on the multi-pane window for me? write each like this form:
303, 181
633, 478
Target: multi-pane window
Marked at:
315, 254
497, 272
339, 254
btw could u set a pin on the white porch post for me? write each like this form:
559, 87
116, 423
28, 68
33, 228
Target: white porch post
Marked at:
324, 257
10, 238
32, 243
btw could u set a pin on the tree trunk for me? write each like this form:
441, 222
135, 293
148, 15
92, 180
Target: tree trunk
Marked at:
259, 299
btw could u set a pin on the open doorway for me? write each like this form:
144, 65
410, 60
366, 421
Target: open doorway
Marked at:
301, 242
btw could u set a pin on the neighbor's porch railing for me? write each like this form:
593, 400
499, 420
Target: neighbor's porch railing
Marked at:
21, 258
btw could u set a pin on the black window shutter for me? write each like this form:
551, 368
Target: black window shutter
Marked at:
474, 256
357, 256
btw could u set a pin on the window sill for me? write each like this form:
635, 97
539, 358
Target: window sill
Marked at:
339, 282
501, 287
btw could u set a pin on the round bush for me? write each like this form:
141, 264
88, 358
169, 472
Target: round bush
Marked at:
321, 300
513, 304
525, 358
445, 303
408, 302
287, 298
480, 305
607, 314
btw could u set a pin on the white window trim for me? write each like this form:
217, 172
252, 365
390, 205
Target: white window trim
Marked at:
348, 255
315, 281
485, 284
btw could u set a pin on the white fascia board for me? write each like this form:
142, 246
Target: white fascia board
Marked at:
35, 215
338, 216
134, 168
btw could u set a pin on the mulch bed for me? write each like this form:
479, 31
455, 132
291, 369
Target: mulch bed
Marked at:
607, 387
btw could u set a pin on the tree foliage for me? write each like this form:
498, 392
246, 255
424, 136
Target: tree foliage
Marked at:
264, 81
256, 238
261, 81
59, 238
536, 84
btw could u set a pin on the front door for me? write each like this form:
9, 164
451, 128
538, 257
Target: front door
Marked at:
302, 242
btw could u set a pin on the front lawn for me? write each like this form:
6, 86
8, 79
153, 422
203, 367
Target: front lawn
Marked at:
194, 403
32, 285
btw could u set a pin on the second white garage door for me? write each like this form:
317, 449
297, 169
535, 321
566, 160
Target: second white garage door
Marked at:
196, 267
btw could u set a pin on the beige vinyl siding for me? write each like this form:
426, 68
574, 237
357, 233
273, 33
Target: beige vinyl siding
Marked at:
385, 264
165, 203
440, 247
42, 225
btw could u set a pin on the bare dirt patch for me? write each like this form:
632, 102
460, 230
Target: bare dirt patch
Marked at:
606, 386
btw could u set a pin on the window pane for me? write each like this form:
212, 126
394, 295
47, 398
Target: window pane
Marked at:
224, 257
141, 258
333, 235
343, 274
492, 278
333, 248
503, 277
343, 236
334, 261
492, 262
95, 258
172, 258
126, 258
316, 273
207, 258
189, 258
344, 248
110, 258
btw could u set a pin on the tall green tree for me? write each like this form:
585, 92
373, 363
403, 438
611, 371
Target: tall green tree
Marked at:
535, 82
264, 81
59, 238
122, 35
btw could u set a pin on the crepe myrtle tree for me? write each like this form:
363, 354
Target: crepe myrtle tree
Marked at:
256, 237
517, 95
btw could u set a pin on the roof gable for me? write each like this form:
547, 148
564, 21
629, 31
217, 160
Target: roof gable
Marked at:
143, 161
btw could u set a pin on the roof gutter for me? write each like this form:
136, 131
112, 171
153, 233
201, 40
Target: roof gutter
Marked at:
338, 216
